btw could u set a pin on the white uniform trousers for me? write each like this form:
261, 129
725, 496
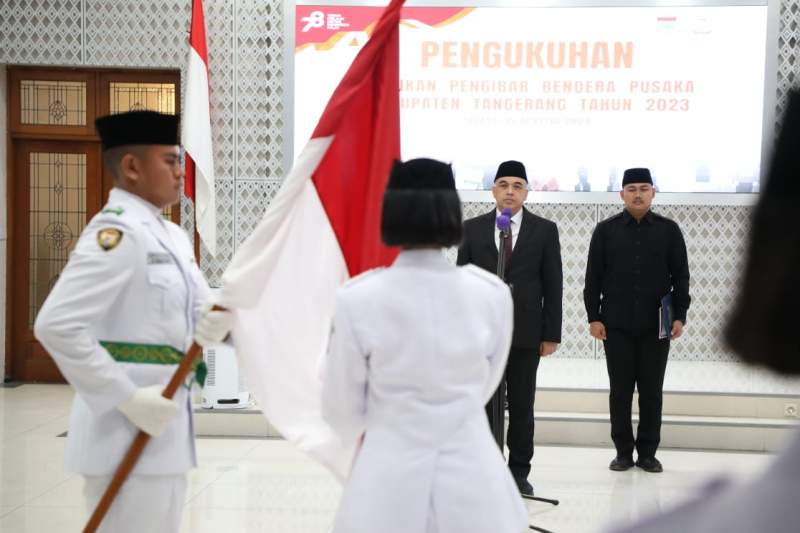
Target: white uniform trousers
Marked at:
144, 503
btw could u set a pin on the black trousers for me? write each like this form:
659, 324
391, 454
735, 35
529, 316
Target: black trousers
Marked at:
520, 380
638, 359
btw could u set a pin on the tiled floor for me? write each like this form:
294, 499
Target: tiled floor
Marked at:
266, 486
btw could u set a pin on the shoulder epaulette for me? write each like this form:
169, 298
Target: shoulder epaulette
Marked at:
118, 210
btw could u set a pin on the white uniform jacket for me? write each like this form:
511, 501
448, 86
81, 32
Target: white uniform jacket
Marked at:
131, 278
416, 352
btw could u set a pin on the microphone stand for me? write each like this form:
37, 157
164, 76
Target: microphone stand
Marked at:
496, 407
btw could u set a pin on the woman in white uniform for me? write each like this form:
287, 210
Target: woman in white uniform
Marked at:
416, 351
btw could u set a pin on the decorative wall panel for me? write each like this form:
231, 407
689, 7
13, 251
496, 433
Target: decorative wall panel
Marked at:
213, 267
575, 223
259, 51
220, 31
145, 33
35, 33
788, 52
252, 197
220, 37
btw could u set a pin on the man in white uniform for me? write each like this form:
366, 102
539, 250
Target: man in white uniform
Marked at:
117, 323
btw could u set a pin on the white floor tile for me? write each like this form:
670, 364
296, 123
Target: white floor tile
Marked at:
5, 509
43, 520
252, 486
69, 493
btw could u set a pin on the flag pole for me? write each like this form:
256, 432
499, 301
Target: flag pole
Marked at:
188, 192
196, 241
137, 446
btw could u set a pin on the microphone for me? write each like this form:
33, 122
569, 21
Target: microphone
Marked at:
504, 220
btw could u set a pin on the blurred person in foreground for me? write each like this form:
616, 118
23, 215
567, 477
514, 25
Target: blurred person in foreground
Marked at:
762, 330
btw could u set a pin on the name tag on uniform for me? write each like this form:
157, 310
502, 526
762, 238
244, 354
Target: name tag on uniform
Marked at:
158, 258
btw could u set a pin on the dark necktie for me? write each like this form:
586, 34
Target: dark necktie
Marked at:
506, 243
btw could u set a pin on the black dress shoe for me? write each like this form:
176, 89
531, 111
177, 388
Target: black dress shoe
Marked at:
649, 464
524, 487
621, 463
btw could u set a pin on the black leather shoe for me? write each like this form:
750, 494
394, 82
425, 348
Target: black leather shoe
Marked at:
649, 464
524, 487
621, 463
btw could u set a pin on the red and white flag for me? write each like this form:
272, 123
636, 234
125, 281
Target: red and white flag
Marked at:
196, 133
322, 228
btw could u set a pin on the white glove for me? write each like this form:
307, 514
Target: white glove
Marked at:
213, 326
148, 410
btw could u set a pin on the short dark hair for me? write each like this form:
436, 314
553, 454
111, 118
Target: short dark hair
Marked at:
427, 217
113, 157
421, 206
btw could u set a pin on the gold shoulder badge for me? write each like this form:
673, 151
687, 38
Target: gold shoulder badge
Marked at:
108, 238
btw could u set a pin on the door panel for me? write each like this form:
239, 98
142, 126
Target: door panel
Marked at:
56, 192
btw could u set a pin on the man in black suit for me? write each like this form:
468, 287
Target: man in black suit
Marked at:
533, 271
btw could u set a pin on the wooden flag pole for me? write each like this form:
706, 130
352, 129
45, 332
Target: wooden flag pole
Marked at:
135, 450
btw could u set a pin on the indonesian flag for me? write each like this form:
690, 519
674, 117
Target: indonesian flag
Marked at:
322, 228
196, 133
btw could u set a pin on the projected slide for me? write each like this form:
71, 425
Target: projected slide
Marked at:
577, 94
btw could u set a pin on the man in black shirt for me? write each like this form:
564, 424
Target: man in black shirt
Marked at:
635, 259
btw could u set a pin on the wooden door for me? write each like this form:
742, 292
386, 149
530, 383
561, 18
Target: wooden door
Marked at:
57, 183
57, 189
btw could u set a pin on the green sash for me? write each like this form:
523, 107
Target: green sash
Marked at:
152, 354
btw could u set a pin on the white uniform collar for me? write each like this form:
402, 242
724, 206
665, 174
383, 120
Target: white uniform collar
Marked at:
420, 257
130, 199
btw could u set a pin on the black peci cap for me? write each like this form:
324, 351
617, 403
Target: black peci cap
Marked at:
637, 175
138, 127
511, 169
